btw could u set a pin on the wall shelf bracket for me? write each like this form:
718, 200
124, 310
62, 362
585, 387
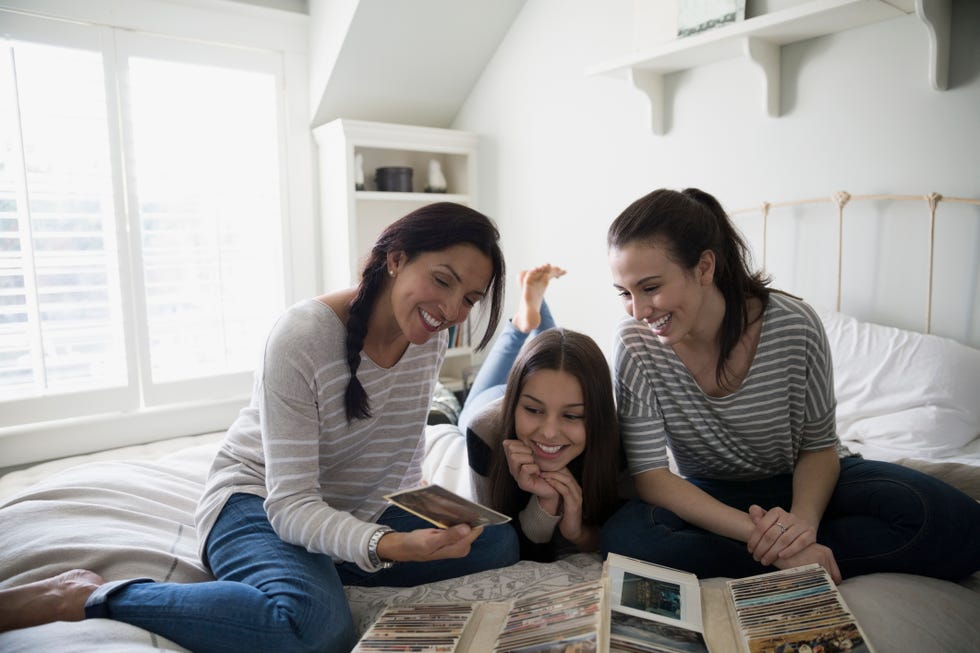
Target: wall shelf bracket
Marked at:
765, 55
652, 84
937, 17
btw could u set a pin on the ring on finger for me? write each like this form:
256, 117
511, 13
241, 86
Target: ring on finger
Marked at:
782, 526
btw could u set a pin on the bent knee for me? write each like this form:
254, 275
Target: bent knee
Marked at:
309, 617
500, 546
898, 504
319, 631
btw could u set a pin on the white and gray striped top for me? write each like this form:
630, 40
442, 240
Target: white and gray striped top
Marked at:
323, 479
785, 405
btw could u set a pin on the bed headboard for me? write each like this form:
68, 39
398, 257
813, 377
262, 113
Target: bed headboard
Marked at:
910, 261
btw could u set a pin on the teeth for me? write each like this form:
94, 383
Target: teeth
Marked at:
548, 449
659, 324
430, 320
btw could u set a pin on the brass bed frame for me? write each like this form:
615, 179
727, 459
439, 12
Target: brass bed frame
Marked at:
841, 200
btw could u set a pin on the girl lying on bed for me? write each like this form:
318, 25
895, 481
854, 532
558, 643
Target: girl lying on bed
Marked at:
737, 381
553, 467
293, 508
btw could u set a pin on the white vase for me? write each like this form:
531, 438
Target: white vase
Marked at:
358, 171
437, 181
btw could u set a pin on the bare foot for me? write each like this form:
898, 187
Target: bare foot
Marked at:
59, 598
534, 283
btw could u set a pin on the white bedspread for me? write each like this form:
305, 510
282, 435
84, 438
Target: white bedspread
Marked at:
135, 518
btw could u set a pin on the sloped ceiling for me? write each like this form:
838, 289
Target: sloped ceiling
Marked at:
402, 61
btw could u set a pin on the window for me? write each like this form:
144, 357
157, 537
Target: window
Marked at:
60, 321
208, 205
141, 219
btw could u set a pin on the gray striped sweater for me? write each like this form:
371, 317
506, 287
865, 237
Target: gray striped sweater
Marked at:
323, 479
784, 406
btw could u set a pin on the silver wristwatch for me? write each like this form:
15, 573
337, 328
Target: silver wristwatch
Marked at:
373, 556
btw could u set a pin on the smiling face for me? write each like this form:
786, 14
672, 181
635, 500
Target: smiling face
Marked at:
436, 290
656, 290
550, 418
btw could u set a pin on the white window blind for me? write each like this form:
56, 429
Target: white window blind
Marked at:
141, 219
60, 326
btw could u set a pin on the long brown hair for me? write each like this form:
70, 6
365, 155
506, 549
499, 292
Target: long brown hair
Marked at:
596, 467
431, 228
687, 223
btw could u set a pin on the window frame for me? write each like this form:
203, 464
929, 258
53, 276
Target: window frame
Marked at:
40, 428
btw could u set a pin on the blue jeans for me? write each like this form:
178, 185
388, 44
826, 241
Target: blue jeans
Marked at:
881, 518
491, 378
272, 596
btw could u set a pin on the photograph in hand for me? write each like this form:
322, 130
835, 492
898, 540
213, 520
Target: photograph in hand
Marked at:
445, 509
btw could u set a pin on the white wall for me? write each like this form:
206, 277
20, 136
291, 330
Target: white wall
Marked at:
564, 153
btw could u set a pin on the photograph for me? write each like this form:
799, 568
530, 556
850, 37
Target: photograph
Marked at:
657, 635
845, 637
651, 595
642, 588
582, 644
445, 509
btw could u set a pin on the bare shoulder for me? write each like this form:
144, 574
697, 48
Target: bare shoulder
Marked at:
339, 302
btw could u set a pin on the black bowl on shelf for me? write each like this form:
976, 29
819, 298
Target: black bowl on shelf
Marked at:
394, 178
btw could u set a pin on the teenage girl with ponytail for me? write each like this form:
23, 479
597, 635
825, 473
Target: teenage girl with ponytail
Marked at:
293, 508
736, 380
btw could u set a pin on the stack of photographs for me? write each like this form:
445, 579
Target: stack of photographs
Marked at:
431, 628
568, 620
793, 609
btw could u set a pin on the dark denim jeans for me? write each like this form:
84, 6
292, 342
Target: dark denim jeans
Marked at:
274, 596
881, 517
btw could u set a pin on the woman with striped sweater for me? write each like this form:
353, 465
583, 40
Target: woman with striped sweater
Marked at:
735, 380
294, 506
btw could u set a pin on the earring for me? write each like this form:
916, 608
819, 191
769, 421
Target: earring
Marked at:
391, 273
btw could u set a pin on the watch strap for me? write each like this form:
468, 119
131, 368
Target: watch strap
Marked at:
373, 556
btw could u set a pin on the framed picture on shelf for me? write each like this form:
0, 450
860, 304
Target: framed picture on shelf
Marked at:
696, 16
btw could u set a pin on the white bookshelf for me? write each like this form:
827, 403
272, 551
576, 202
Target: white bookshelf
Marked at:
351, 220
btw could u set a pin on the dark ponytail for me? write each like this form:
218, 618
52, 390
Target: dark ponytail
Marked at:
688, 223
431, 228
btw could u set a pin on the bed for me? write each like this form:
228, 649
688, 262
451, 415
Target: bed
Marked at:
904, 395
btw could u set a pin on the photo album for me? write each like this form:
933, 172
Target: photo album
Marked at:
635, 607
652, 608
656, 609
570, 620
794, 608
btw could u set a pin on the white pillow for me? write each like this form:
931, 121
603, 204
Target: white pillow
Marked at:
908, 393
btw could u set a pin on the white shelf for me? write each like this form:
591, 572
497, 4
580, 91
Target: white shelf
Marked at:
421, 198
760, 39
351, 220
